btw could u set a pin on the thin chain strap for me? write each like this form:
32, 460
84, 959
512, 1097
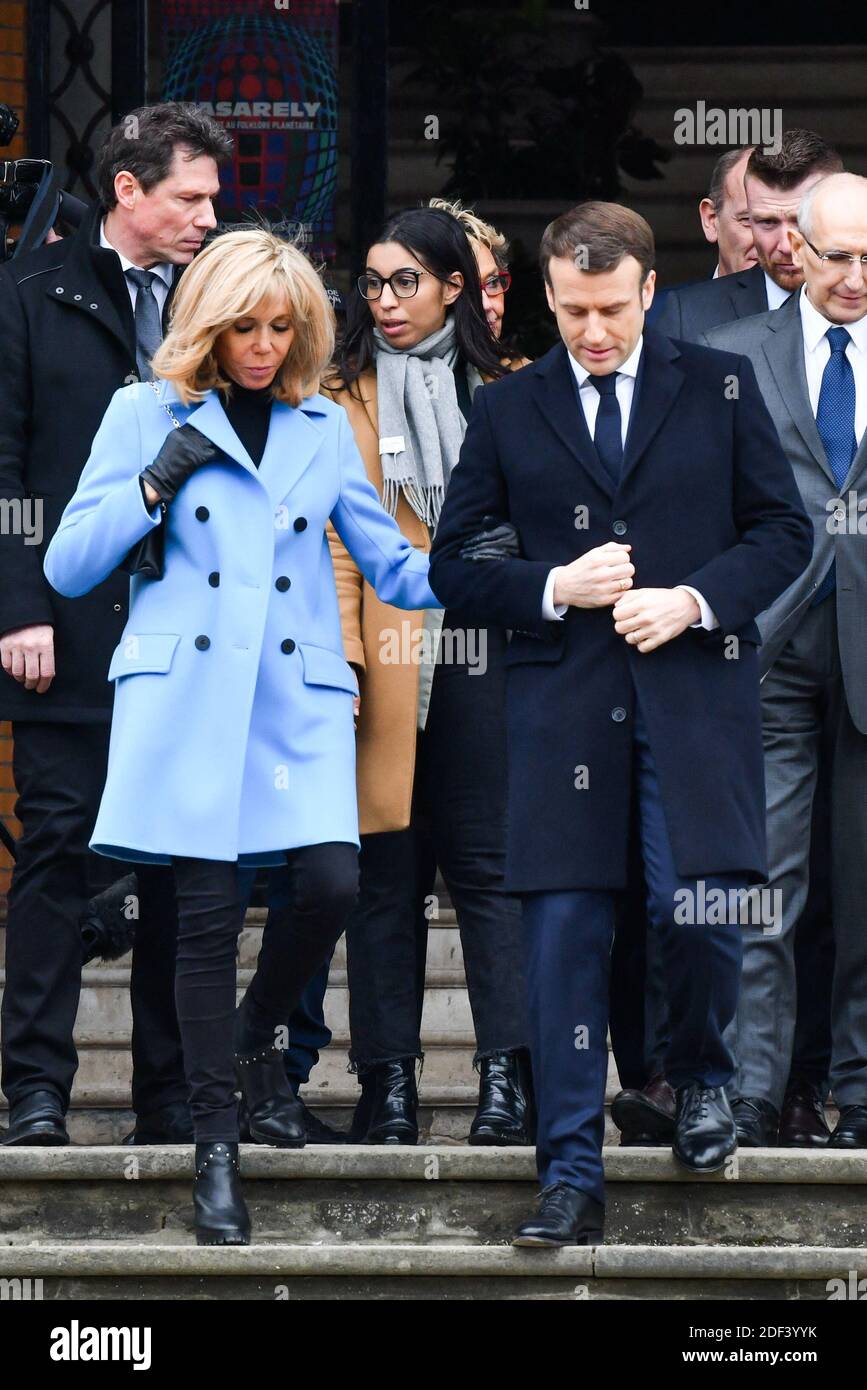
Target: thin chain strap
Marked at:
166, 408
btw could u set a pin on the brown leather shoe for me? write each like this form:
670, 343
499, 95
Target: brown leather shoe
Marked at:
646, 1117
802, 1118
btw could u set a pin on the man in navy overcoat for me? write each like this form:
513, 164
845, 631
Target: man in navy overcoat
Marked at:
657, 516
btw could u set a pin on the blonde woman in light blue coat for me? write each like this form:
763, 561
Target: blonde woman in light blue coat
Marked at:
232, 736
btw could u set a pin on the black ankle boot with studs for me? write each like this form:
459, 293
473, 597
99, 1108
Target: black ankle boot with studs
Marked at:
221, 1215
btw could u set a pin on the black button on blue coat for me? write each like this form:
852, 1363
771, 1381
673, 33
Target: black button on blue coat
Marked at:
287, 645
202, 513
203, 643
214, 579
301, 523
282, 583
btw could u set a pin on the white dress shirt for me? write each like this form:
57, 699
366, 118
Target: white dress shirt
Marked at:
624, 389
817, 351
164, 272
776, 296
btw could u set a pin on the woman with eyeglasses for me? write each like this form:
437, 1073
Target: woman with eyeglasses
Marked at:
490, 249
232, 741
431, 753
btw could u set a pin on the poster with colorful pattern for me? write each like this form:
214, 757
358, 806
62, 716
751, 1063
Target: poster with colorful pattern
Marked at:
268, 72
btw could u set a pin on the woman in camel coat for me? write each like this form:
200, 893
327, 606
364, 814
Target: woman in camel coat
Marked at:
431, 758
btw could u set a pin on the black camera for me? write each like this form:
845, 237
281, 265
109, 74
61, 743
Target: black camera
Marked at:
29, 194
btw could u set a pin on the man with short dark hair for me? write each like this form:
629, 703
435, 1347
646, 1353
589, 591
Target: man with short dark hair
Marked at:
774, 186
81, 317
632, 682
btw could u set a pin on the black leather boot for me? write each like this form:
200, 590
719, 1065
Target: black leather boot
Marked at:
393, 1117
506, 1109
37, 1119
269, 1110
363, 1112
221, 1215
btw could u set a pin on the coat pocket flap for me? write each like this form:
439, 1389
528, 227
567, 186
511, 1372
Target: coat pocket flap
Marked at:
525, 646
140, 652
324, 667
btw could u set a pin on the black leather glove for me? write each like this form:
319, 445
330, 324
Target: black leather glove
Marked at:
496, 541
183, 451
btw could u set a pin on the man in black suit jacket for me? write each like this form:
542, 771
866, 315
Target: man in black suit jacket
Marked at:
774, 185
632, 677
80, 317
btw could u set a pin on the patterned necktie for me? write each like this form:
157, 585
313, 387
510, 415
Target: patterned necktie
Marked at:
148, 322
835, 421
607, 435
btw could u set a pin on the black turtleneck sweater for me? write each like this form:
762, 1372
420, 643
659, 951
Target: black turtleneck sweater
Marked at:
249, 414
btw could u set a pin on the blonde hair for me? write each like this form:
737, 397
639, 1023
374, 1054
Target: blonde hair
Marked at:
475, 228
225, 283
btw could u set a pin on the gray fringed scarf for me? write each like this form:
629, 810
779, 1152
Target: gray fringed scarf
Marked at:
421, 428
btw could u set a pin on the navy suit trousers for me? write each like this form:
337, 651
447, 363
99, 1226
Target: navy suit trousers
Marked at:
568, 938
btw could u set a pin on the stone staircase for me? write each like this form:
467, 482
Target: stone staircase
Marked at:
818, 87
448, 1085
97, 1221
429, 1223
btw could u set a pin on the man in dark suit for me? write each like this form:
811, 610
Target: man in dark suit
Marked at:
632, 678
810, 358
81, 317
775, 185
725, 221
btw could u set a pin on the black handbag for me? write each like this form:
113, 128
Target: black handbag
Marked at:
148, 556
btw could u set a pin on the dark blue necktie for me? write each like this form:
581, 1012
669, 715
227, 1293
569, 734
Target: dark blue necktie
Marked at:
835, 421
607, 435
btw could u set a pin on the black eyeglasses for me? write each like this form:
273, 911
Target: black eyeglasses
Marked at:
403, 283
837, 258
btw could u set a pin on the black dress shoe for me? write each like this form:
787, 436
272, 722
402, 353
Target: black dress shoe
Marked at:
37, 1118
393, 1118
361, 1115
173, 1124
850, 1131
221, 1215
271, 1113
757, 1122
506, 1109
802, 1118
645, 1117
566, 1216
704, 1128
316, 1131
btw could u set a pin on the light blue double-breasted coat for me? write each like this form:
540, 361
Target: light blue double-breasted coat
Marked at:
232, 734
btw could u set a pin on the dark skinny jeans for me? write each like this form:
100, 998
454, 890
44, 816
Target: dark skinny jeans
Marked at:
298, 939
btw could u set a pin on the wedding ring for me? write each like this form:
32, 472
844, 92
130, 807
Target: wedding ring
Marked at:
624, 583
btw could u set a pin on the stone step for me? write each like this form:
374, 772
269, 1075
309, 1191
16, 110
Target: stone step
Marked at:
181, 1271
105, 1019
104, 1077
430, 1222
433, 1195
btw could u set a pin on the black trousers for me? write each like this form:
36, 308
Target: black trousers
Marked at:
458, 823
298, 938
59, 772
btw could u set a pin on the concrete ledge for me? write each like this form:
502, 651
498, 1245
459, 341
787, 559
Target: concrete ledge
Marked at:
411, 1261
423, 1163
726, 1261
58, 1260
